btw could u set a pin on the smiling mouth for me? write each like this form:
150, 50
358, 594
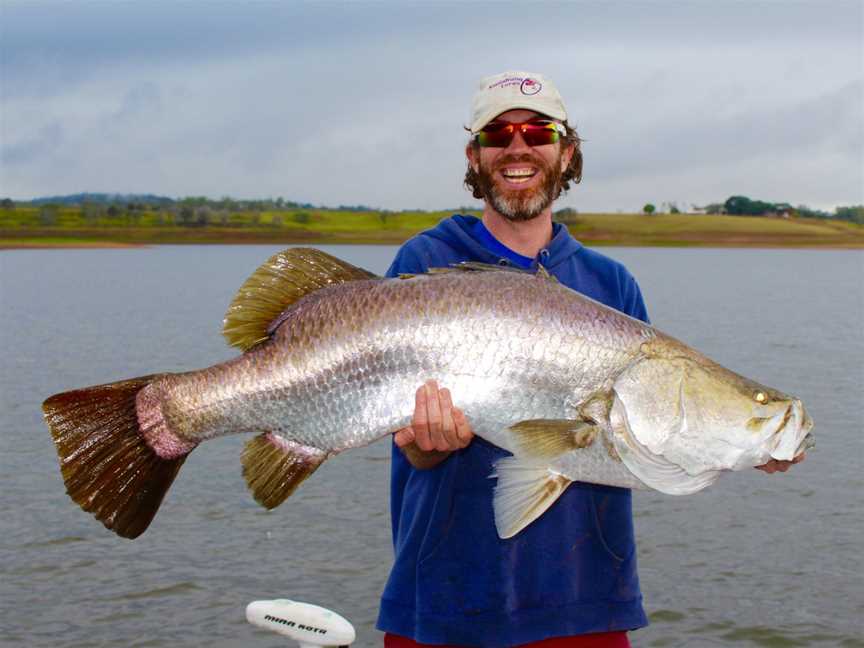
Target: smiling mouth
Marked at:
519, 176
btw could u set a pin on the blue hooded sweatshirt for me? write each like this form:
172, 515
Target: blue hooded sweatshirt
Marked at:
573, 570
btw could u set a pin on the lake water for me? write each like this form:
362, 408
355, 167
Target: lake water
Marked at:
756, 560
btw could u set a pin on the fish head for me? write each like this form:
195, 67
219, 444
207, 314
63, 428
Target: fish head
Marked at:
704, 418
744, 423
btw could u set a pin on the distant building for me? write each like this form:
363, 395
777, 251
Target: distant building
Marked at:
781, 210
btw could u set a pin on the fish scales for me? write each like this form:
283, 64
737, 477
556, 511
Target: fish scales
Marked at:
342, 368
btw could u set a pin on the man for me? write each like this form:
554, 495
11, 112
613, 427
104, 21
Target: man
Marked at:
569, 579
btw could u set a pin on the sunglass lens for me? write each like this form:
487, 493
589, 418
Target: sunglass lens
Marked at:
496, 135
540, 134
500, 134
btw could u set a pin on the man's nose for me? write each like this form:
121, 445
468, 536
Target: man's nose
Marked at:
517, 144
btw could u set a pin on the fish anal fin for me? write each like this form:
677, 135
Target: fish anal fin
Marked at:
548, 438
273, 467
282, 280
524, 492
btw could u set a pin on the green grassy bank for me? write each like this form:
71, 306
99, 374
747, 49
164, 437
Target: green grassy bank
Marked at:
73, 227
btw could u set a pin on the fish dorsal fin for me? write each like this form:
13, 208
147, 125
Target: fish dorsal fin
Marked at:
280, 281
473, 266
543, 273
476, 266
274, 467
523, 493
548, 438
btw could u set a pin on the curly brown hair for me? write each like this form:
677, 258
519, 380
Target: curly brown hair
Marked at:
573, 172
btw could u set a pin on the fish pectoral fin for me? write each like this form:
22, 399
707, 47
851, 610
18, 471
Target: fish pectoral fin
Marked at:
548, 438
281, 280
274, 467
523, 493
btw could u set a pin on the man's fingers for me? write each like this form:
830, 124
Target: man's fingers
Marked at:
463, 429
420, 422
436, 424
404, 436
434, 416
448, 427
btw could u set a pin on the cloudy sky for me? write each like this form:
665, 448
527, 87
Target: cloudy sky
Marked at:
364, 102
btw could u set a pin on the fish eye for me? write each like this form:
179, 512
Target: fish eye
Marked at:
760, 397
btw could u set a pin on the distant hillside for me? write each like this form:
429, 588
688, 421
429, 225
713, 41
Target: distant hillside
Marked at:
124, 224
103, 198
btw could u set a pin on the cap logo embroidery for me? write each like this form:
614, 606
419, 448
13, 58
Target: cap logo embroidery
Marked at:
530, 87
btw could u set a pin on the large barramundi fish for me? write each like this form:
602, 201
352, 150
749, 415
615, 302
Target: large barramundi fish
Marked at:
332, 356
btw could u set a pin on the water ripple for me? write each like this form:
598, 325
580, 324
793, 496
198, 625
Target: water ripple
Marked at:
159, 592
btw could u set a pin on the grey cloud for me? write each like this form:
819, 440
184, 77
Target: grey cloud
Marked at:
363, 102
144, 99
684, 141
67, 42
31, 149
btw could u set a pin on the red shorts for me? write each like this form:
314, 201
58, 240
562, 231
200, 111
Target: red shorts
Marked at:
598, 640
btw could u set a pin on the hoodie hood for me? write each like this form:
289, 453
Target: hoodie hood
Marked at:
457, 233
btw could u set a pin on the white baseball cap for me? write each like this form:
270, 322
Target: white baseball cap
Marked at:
510, 90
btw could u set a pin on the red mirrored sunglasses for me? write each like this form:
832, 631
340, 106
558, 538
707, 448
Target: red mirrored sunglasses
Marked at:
537, 132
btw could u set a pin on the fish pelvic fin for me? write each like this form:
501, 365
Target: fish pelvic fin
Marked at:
549, 438
109, 468
525, 490
274, 467
281, 281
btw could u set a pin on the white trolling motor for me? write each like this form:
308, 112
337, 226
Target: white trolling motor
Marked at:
310, 625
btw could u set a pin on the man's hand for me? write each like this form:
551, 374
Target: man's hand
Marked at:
437, 428
775, 465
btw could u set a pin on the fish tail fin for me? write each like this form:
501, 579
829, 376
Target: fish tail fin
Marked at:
109, 468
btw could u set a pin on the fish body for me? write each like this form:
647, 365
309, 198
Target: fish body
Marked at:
574, 390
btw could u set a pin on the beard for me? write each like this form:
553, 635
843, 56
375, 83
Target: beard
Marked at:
521, 204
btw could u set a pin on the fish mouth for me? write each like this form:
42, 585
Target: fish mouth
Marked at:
806, 443
792, 436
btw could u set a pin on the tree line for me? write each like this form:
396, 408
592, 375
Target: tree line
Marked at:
199, 211
745, 206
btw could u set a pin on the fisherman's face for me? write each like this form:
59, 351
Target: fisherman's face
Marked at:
519, 181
